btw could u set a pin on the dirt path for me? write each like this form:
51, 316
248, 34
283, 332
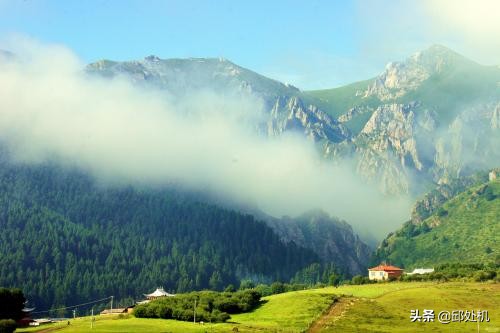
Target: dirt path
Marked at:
335, 312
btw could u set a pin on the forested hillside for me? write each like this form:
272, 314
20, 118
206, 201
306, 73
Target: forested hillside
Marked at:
65, 240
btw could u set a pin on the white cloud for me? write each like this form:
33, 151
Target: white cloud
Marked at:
473, 24
49, 109
392, 30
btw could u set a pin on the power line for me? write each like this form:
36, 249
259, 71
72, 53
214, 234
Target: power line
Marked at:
74, 306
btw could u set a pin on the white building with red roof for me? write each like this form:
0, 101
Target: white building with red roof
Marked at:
384, 272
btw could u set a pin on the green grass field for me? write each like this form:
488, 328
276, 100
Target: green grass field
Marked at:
390, 312
380, 307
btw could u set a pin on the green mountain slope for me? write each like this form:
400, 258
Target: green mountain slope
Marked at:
337, 101
464, 229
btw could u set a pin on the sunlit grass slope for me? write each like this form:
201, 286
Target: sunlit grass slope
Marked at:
380, 307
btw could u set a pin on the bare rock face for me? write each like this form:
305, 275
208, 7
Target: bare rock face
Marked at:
353, 112
418, 133
397, 80
400, 78
403, 142
495, 118
290, 114
386, 150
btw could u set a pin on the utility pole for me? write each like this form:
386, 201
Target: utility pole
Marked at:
92, 320
112, 304
194, 320
74, 313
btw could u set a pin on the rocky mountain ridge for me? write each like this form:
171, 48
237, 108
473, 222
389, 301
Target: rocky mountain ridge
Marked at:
281, 102
408, 135
422, 121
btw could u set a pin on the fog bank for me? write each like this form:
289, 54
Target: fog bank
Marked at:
51, 110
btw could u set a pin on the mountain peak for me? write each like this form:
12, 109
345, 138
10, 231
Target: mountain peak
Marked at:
401, 77
439, 48
436, 57
152, 58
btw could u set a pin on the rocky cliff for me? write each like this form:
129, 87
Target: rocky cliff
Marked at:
428, 120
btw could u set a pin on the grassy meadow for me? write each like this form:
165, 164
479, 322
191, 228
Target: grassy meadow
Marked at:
379, 307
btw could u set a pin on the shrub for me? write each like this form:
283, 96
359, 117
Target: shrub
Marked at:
263, 289
360, 279
218, 316
441, 212
277, 288
230, 289
7, 326
488, 194
481, 276
246, 284
210, 305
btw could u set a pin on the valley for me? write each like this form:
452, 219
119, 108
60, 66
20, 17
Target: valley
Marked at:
194, 174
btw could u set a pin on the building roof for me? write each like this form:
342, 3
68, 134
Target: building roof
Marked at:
385, 268
159, 292
422, 271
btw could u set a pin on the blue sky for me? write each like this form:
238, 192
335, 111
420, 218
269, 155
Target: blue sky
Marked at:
311, 44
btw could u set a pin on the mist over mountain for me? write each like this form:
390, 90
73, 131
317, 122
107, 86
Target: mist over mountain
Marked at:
181, 78
238, 138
